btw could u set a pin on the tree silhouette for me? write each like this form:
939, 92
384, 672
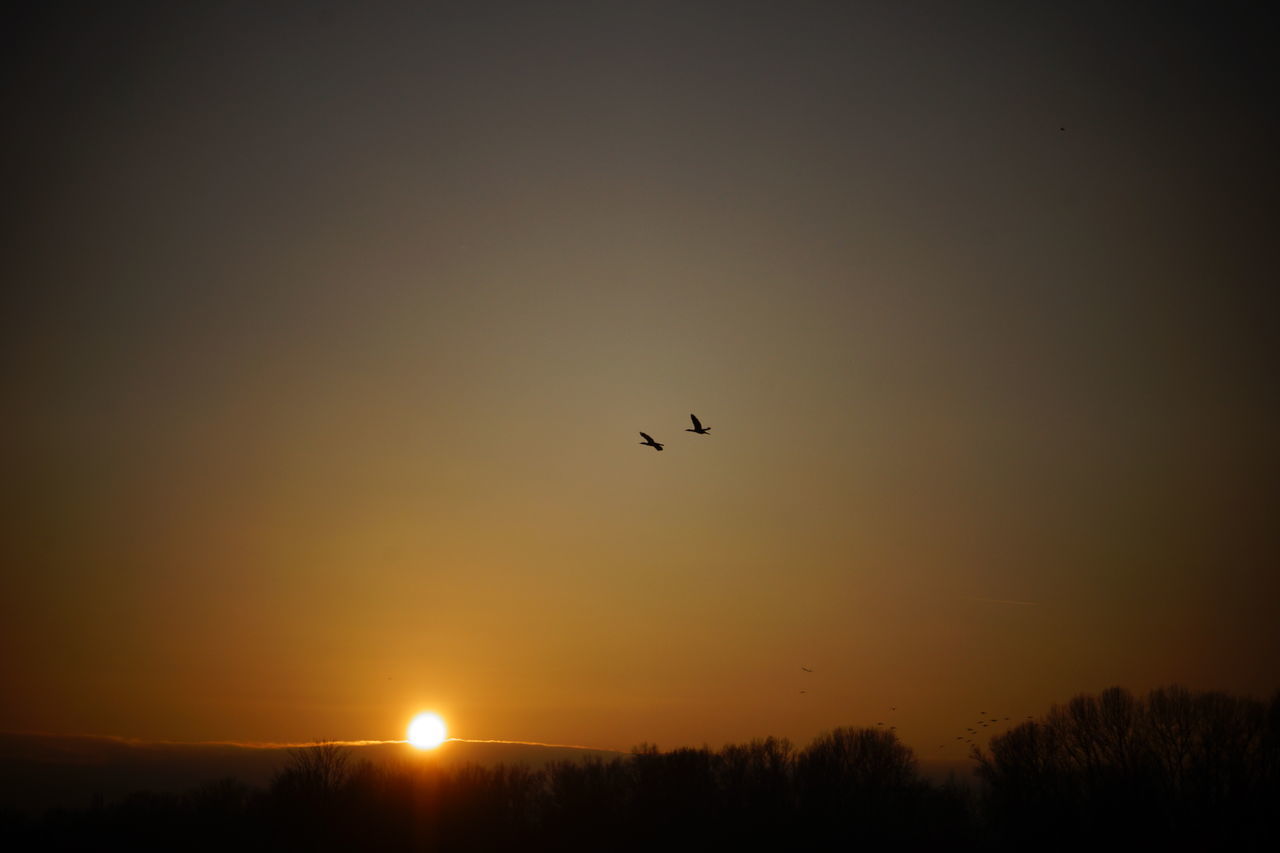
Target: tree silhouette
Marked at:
1175, 768
1181, 764
859, 785
316, 772
306, 793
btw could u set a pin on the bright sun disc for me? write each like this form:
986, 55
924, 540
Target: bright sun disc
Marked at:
426, 731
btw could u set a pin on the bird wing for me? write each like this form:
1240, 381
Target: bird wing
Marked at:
647, 437
697, 424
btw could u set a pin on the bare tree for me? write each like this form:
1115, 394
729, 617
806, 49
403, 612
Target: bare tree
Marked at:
1191, 764
317, 771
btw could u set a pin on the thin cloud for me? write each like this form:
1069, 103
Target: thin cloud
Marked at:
366, 742
249, 744
530, 743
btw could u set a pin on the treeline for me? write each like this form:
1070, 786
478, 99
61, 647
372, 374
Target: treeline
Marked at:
1173, 767
1183, 765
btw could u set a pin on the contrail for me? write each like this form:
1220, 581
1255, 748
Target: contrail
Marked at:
529, 743
247, 744
142, 742
1000, 600
371, 742
259, 744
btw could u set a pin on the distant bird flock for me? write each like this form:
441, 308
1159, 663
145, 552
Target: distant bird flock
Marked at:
971, 736
657, 445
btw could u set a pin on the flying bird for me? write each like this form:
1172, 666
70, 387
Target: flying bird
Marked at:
806, 669
649, 442
698, 427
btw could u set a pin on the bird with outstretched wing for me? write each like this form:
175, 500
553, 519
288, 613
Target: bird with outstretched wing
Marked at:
697, 426
649, 442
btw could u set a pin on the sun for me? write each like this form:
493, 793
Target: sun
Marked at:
426, 731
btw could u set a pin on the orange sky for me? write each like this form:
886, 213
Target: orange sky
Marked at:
334, 331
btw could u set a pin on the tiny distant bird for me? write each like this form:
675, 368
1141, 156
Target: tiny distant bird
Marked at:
804, 691
806, 669
649, 442
698, 427
1062, 128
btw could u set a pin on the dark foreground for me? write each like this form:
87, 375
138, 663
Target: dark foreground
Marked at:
1177, 769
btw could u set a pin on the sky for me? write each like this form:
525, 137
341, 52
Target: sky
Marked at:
330, 329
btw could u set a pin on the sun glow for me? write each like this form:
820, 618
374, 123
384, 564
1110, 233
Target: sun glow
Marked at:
426, 731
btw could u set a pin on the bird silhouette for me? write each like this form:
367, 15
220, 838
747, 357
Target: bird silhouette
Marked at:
806, 669
649, 442
698, 427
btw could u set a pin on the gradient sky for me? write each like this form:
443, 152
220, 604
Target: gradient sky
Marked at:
328, 330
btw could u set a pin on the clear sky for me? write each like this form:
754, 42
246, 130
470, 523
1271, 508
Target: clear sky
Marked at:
329, 329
